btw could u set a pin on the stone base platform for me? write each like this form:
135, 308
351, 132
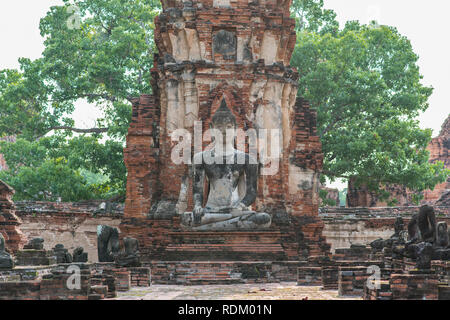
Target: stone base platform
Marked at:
235, 246
30, 257
222, 272
165, 240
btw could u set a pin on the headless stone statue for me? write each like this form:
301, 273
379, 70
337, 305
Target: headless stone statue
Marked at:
413, 230
225, 208
422, 235
426, 221
62, 254
107, 243
130, 256
442, 250
424, 254
6, 261
79, 255
442, 235
35, 244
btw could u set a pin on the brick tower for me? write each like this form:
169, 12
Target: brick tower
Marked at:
239, 51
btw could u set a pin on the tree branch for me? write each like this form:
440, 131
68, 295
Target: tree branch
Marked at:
91, 130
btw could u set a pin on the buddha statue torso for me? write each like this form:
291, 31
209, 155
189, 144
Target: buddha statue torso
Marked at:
225, 169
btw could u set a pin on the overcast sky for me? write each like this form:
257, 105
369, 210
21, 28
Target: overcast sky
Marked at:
425, 23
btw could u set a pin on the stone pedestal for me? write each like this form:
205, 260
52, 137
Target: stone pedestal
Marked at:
35, 258
418, 285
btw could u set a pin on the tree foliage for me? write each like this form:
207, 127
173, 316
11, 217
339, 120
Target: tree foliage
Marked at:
365, 84
99, 51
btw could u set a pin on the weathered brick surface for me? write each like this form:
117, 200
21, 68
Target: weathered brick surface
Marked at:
51, 285
439, 149
330, 271
222, 272
382, 292
309, 276
140, 277
414, 286
9, 222
97, 281
351, 280
35, 258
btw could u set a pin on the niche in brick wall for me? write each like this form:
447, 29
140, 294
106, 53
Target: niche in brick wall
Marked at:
224, 45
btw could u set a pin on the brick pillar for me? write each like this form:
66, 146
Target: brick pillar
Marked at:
9, 222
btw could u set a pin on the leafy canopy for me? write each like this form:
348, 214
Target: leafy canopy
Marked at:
365, 84
99, 51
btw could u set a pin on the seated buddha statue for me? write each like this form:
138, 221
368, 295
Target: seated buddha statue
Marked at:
227, 172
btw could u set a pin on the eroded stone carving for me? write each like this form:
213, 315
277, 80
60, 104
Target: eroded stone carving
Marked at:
6, 260
79, 255
442, 250
424, 254
225, 168
35, 244
426, 220
442, 235
224, 43
62, 254
107, 243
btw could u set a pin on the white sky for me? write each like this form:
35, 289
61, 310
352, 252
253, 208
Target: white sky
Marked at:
425, 23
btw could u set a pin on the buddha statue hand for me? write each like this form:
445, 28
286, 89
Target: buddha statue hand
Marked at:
240, 207
198, 213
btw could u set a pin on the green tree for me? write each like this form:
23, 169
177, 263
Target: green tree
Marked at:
365, 84
99, 51
311, 16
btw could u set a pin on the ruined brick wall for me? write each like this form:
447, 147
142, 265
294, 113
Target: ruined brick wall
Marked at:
332, 194
347, 226
74, 224
440, 151
361, 196
71, 224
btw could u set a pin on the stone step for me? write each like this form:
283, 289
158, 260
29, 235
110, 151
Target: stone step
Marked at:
222, 247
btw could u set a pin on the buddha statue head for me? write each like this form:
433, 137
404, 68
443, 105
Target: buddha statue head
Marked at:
224, 120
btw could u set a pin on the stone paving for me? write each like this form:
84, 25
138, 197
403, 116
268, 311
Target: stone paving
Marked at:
264, 291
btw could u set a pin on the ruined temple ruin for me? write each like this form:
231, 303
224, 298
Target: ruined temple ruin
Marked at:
224, 64
237, 54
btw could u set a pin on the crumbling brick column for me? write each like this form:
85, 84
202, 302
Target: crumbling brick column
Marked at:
9, 222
